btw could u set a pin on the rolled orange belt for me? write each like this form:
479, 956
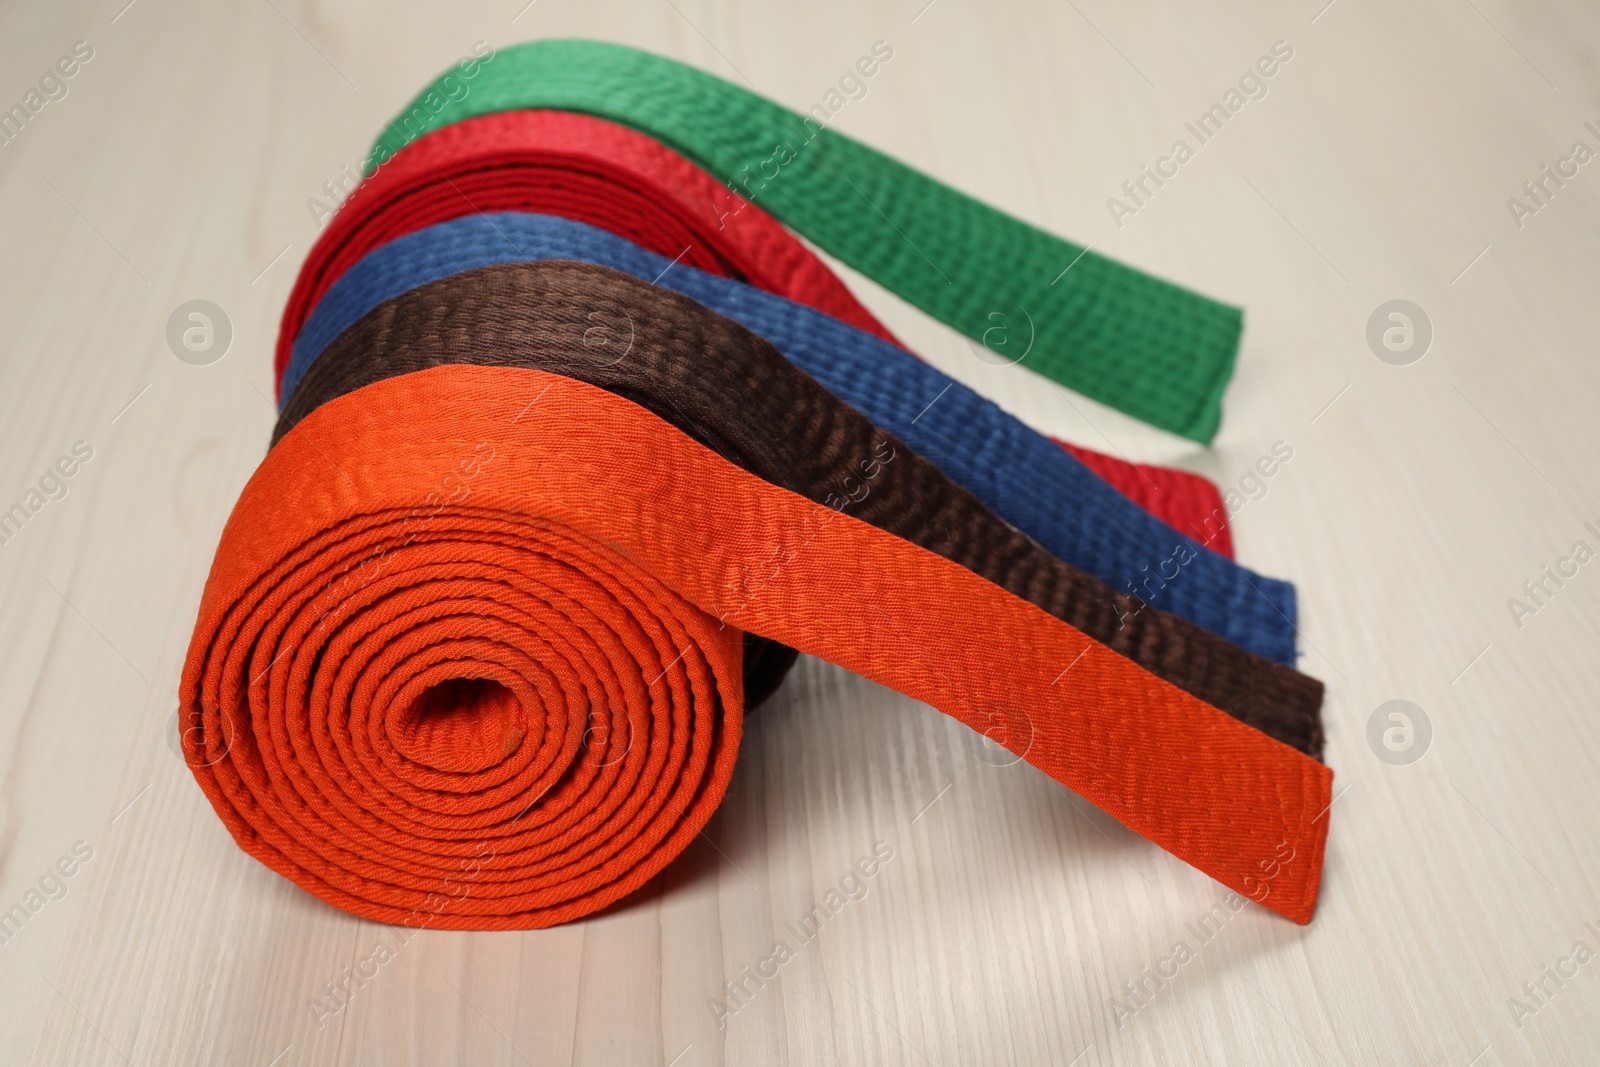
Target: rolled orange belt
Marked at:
469, 657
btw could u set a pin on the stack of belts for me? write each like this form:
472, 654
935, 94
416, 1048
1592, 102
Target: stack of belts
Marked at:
579, 446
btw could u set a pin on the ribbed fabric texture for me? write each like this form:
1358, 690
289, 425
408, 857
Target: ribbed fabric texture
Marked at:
1186, 502
1026, 479
590, 170
1152, 349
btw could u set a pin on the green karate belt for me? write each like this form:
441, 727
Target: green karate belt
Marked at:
1154, 350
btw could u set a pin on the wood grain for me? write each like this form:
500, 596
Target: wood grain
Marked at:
1420, 498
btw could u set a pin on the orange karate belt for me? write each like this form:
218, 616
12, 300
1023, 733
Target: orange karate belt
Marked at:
470, 657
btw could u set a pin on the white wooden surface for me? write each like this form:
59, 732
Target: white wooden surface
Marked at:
1419, 499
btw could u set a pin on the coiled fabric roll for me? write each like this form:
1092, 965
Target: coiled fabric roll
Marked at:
1145, 346
740, 397
590, 170
1027, 480
485, 672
